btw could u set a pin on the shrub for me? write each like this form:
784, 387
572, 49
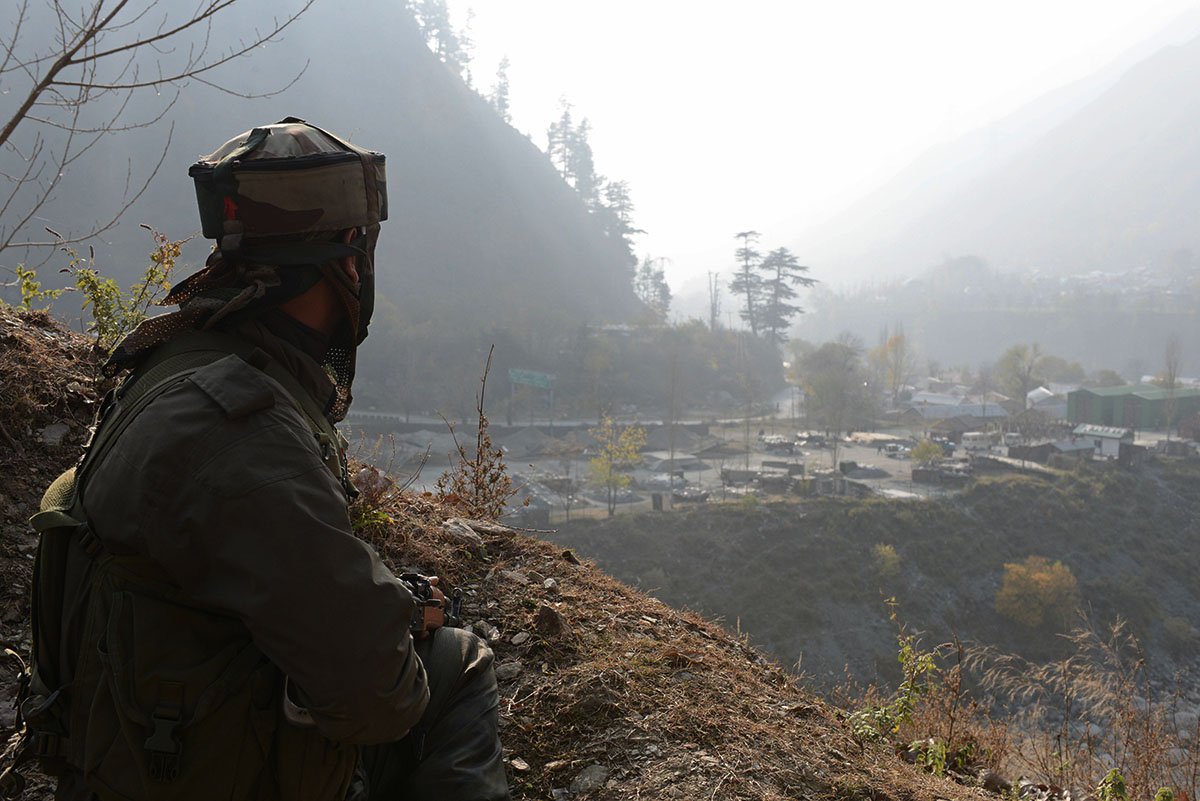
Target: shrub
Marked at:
114, 313
886, 560
927, 452
479, 483
1037, 592
1093, 716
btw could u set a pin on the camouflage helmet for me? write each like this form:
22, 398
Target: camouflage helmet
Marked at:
287, 180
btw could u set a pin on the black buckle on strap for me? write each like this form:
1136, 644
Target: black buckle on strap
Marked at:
163, 743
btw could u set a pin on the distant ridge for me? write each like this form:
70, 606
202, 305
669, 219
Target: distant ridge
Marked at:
1100, 174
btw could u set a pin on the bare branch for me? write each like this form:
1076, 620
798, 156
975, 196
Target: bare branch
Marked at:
261, 95
113, 220
213, 8
10, 47
113, 126
95, 55
58, 66
181, 75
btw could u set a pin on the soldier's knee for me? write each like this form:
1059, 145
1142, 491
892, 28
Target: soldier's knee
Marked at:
454, 659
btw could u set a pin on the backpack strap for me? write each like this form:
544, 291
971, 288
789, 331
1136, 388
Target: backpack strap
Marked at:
63, 519
184, 355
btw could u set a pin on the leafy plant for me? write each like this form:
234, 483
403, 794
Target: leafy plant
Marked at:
31, 288
882, 721
114, 313
1112, 787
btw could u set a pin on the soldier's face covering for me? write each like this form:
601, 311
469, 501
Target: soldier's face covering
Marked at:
226, 292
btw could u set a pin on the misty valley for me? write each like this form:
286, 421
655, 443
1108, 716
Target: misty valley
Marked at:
899, 501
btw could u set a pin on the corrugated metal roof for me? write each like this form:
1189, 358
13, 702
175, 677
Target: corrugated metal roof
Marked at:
1104, 432
1158, 393
988, 412
1145, 391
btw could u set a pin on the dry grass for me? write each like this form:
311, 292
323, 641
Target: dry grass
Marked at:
1063, 725
1075, 719
49, 376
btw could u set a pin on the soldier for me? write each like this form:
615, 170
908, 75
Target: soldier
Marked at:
206, 624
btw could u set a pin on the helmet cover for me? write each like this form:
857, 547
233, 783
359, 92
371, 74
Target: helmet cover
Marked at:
287, 180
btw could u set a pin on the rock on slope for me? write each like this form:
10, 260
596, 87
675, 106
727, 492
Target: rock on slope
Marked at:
605, 693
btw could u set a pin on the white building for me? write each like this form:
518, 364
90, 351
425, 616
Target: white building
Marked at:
1107, 439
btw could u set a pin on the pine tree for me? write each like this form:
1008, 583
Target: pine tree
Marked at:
570, 151
558, 138
616, 212
451, 46
581, 167
746, 281
498, 99
782, 273
650, 285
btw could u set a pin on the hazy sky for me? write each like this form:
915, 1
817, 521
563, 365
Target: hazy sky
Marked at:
730, 116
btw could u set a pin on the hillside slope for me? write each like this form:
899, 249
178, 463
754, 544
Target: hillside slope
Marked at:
605, 693
481, 227
791, 574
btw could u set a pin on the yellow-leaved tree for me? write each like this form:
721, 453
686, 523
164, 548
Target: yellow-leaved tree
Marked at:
617, 449
1037, 592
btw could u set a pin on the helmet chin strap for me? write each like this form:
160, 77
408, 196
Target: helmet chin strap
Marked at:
347, 293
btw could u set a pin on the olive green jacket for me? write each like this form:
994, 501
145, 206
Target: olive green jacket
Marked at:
221, 483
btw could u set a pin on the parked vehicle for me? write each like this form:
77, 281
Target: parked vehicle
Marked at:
976, 441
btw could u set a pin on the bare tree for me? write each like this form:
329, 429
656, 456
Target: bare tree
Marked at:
73, 70
1172, 360
1018, 370
714, 301
894, 361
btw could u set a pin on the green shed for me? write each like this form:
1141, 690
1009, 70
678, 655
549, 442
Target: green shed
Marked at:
1141, 406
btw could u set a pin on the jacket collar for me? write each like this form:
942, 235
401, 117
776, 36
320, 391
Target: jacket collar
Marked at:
308, 372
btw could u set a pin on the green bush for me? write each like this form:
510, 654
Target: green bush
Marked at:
927, 452
886, 560
114, 313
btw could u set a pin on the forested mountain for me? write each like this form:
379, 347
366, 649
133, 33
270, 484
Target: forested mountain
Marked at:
1064, 185
483, 233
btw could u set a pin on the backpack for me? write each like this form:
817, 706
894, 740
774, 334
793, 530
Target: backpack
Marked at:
174, 701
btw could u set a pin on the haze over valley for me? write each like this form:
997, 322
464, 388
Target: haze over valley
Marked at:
859, 328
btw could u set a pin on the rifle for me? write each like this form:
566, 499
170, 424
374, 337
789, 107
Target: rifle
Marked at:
433, 609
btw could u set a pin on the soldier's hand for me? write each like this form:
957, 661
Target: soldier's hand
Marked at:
435, 614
